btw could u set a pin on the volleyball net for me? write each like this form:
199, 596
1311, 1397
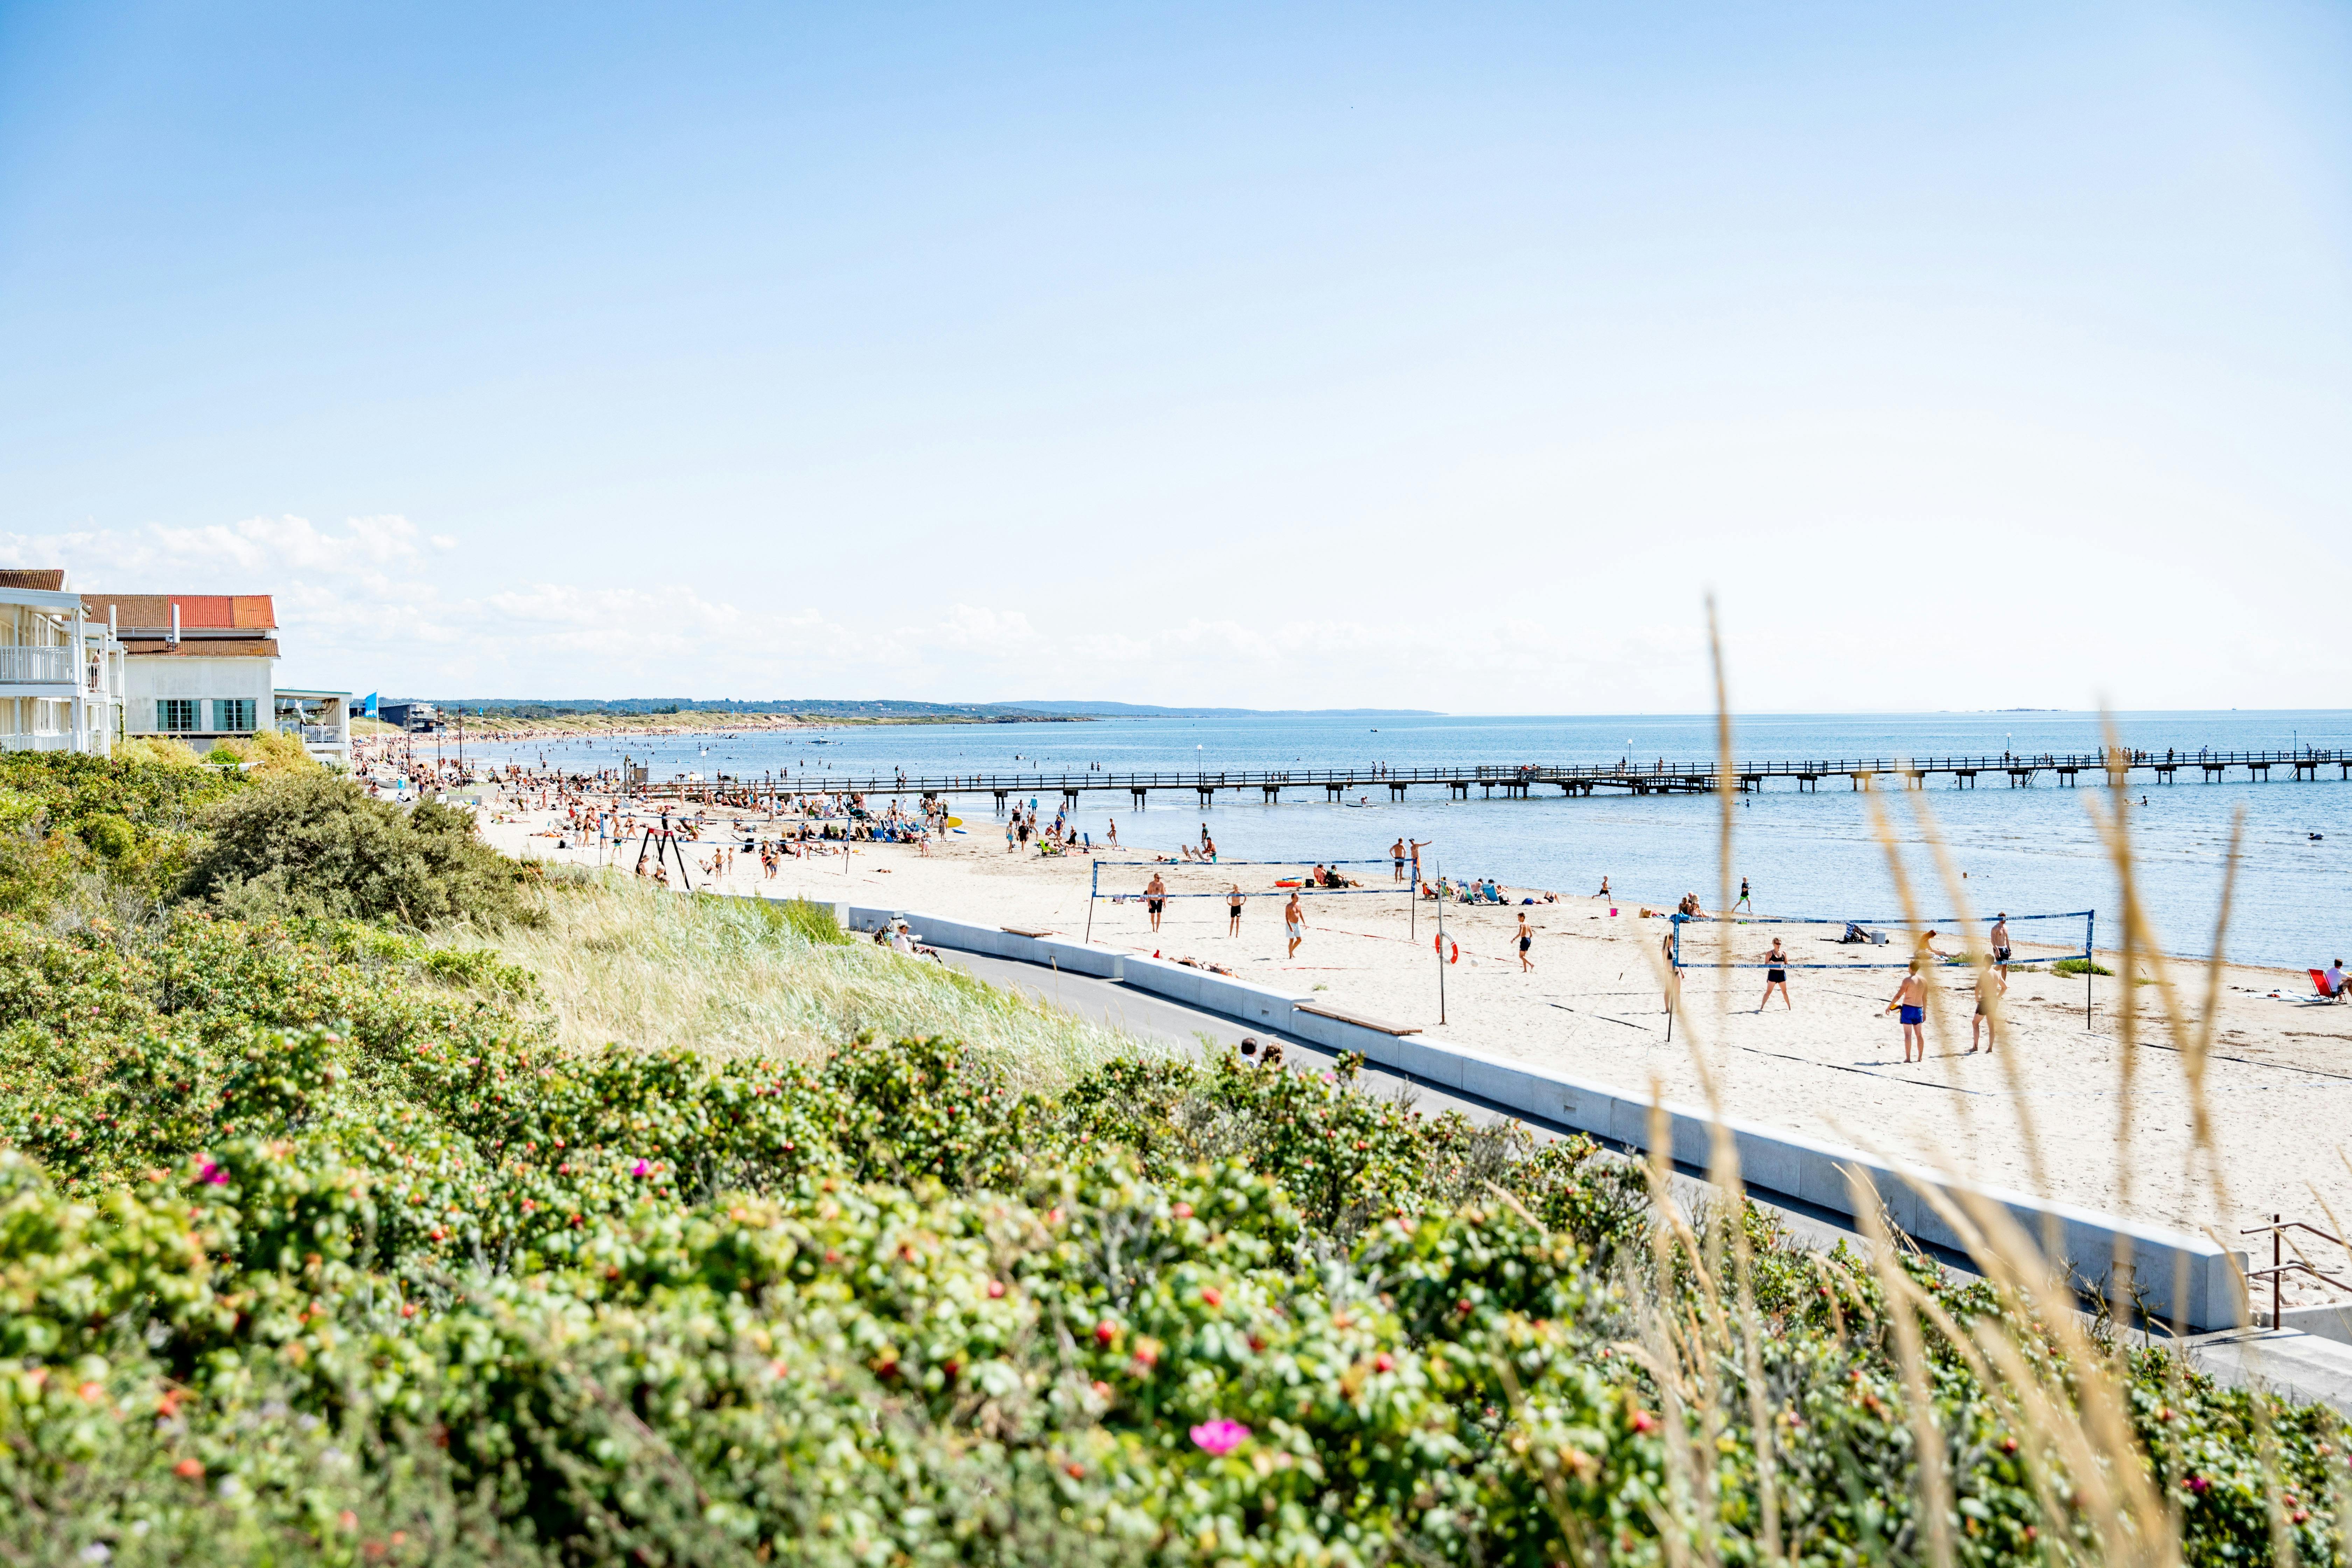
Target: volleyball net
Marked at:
1810, 941
1131, 880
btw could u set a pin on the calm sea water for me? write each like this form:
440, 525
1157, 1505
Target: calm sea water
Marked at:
1806, 854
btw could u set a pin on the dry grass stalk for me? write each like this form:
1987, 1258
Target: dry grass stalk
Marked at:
2064, 1385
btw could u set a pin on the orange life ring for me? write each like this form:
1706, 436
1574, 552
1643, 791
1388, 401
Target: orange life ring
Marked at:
1440, 941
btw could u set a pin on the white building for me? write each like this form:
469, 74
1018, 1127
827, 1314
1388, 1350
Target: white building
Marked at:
322, 720
62, 674
198, 666
202, 668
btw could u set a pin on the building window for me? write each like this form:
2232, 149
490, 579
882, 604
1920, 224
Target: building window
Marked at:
175, 715
232, 715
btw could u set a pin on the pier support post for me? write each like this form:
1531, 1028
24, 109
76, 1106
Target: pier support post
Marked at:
1137, 792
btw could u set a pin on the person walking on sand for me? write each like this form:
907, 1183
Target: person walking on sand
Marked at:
1155, 899
1233, 911
1294, 924
1110, 831
1776, 972
2000, 943
1911, 998
1743, 903
1396, 853
1526, 941
1992, 986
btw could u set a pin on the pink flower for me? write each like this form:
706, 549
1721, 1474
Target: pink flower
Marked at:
212, 1174
1220, 1436
641, 1169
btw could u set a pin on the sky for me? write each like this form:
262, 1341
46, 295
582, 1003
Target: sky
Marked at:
1442, 357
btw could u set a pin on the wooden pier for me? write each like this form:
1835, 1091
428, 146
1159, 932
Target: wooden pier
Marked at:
1659, 777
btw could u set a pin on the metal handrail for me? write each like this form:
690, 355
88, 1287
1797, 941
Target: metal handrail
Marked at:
2282, 1266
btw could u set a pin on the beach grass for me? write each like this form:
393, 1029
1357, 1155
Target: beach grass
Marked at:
622, 963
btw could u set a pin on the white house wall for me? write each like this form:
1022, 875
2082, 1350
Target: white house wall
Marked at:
153, 676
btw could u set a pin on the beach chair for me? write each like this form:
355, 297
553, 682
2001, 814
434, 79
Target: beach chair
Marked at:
2319, 983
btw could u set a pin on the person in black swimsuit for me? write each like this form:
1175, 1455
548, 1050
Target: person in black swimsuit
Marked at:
1155, 899
1526, 941
1776, 972
1233, 911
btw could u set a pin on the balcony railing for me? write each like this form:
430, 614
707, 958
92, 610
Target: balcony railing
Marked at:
36, 666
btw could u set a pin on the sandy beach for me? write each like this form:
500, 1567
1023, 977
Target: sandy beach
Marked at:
2279, 1086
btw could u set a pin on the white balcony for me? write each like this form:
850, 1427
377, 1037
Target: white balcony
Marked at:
38, 741
38, 666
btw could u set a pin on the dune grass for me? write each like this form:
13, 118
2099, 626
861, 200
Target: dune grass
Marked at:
618, 962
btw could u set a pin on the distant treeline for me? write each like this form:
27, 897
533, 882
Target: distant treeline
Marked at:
569, 708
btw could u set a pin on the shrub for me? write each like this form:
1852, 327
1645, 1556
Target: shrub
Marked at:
307, 843
282, 753
2079, 966
815, 922
157, 752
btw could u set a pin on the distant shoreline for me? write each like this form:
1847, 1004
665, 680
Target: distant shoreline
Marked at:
509, 727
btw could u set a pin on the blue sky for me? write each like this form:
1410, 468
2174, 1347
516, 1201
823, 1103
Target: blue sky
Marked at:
1440, 358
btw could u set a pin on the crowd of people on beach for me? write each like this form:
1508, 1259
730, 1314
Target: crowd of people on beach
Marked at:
701, 829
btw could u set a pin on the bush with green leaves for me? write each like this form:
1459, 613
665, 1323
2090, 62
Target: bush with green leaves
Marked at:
313, 844
314, 1247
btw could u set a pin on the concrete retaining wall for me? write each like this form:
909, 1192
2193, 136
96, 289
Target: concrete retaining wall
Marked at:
1772, 1161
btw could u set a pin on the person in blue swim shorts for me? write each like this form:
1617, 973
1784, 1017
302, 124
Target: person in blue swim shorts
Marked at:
1911, 998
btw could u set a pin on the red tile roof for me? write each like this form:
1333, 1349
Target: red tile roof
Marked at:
198, 611
206, 647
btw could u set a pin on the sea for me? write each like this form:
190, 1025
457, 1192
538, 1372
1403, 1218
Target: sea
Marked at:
1812, 855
